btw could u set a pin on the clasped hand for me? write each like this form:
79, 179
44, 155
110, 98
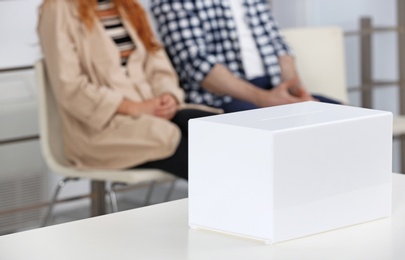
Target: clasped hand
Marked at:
289, 91
164, 106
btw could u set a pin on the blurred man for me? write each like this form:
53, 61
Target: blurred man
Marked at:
228, 53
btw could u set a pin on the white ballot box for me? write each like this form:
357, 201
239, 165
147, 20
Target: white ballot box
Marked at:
285, 172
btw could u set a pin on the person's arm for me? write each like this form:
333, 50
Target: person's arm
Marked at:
183, 35
221, 81
286, 60
162, 76
288, 68
165, 84
288, 72
168, 106
91, 104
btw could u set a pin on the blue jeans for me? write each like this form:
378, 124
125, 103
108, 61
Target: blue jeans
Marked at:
262, 82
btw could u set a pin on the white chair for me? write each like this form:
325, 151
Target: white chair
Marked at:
319, 56
321, 65
53, 153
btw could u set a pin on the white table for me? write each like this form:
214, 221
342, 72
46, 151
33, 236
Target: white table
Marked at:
161, 232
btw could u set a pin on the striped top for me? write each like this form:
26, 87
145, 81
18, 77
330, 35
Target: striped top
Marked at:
112, 22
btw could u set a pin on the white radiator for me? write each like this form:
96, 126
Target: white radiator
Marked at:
18, 191
23, 177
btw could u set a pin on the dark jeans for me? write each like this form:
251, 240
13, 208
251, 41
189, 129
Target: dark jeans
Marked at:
263, 82
177, 164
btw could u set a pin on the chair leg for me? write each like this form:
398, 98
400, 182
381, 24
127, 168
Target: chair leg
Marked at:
170, 191
113, 197
60, 185
149, 193
402, 152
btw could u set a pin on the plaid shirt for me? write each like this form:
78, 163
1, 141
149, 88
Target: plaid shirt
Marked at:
201, 33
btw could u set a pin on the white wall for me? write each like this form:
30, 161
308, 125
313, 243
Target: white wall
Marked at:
19, 44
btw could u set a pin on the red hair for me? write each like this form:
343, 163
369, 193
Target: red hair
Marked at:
131, 10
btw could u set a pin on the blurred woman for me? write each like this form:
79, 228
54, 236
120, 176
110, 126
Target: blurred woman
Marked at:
118, 94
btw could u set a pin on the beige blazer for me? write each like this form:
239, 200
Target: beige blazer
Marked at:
89, 84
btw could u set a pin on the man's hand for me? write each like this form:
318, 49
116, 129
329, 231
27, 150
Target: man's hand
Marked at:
221, 81
281, 94
297, 90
